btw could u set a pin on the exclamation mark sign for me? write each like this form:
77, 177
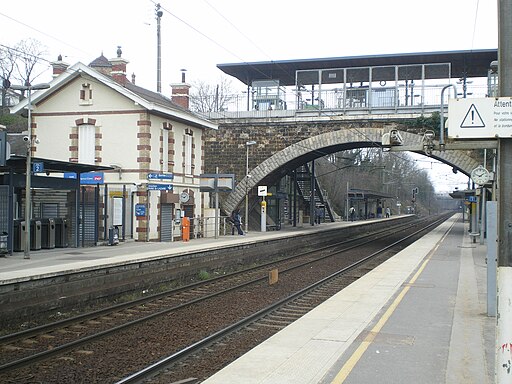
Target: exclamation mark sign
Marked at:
472, 119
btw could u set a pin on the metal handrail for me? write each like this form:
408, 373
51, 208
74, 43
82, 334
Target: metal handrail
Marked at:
376, 100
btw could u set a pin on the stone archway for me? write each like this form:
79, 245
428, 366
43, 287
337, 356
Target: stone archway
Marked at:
335, 141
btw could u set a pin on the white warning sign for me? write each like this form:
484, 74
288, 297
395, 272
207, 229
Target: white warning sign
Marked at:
488, 117
472, 119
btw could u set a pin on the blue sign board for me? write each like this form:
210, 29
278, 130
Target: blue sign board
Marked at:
90, 178
160, 187
140, 210
160, 176
471, 199
38, 167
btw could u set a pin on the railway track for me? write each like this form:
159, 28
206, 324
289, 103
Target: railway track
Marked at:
89, 335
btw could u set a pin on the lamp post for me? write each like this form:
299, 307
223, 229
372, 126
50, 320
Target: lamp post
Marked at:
28, 203
247, 145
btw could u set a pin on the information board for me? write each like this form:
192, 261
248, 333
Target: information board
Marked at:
140, 210
160, 187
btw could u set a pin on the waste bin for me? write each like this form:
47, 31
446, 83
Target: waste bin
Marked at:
35, 235
19, 236
47, 233
61, 232
113, 236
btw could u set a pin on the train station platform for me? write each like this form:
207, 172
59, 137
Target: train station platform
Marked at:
418, 318
45, 263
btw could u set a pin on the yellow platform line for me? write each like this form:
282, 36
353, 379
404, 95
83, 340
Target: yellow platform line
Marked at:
358, 353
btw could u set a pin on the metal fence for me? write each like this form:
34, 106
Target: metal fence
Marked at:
372, 99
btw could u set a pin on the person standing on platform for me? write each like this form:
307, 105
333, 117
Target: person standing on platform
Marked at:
321, 214
318, 215
388, 212
237, 221
379, 212
352, 213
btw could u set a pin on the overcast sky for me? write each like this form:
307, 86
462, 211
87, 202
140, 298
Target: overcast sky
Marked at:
199, 34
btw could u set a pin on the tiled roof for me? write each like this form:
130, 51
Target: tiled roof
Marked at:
100, 61
154, 97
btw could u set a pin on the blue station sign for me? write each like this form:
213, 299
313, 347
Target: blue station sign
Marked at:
90, 178
38, 167
159, 187
140, 210
160, 176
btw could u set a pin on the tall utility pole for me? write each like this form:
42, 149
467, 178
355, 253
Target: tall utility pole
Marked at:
159, 14
504, 303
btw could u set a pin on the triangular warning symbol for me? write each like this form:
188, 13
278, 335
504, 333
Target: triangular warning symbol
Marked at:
472, 119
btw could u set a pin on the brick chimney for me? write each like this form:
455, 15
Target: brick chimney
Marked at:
180, 92
119, 68
59, 66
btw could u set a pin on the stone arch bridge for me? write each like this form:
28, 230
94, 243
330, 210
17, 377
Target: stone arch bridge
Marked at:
282, 146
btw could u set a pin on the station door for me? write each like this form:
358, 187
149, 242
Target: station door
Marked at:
166, 211
88, 225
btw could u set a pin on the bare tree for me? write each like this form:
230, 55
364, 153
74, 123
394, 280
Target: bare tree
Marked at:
8, 58
30, 53
371, 169
209, 97
22, 63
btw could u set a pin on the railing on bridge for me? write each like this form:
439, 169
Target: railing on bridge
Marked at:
365, 100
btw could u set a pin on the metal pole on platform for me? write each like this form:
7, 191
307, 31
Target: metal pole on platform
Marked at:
312, 201
504, 300
216, 191
28, 162
246, 218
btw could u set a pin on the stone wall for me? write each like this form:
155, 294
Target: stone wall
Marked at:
225, 148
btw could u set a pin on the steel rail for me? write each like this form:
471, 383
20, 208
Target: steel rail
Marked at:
71, 345
46, 328
153, 369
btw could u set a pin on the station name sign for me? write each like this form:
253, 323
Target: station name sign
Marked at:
489, 117
90, 178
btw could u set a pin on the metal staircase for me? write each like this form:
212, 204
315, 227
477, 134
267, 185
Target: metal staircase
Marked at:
304, 182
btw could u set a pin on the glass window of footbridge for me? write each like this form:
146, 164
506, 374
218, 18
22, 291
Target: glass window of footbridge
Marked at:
385, 87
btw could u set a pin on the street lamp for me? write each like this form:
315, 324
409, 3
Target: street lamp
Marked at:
247, 145
28, 203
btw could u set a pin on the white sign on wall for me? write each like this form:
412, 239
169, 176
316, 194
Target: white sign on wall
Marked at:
488, 117
117, 211
262, 190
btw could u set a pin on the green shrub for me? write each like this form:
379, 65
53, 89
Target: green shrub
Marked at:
203, 275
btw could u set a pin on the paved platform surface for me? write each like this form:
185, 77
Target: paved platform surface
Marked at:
418, 318
60, 260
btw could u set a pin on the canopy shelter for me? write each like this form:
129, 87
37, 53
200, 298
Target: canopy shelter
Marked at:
463, 194
464, 64
385, 82
366, 202
66, 177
